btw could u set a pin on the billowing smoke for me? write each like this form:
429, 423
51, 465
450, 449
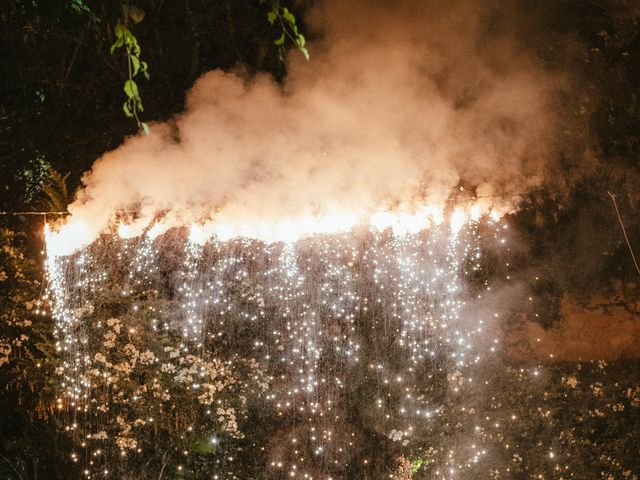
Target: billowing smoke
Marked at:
401, 103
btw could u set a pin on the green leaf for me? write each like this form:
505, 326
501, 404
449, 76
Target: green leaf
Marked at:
131, 89
127, 109
271, 16
280, 40
119, 30
416, 464
288, 16
78, 6
305, 52
145, 127
300, 41
135, 62
143, 66
131, 41
119, 43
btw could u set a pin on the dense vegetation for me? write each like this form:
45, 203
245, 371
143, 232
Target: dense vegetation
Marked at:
61, 99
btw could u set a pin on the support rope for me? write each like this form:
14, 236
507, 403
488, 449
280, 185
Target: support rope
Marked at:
624, 231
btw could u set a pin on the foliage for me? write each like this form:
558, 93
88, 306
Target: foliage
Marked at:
58, 98
557, 421
55, 193
416, 463
159, 400
58, 83
143, 402
34, 177
28, 424
44, 187
286, 21
80, 7
147, 418
132, 107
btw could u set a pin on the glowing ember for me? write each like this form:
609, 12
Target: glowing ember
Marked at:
324, 302
77, 234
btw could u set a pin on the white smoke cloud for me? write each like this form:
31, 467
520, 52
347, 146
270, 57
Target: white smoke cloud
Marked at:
400, 101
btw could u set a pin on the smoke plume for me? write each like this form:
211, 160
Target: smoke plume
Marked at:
401, 103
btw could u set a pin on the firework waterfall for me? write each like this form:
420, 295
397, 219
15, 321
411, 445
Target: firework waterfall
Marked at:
275, 242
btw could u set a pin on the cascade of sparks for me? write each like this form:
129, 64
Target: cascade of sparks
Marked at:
386, 301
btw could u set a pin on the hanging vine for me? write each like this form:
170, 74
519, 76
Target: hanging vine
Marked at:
286, 21
132, 106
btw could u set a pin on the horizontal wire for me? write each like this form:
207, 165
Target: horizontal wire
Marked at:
33, 213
